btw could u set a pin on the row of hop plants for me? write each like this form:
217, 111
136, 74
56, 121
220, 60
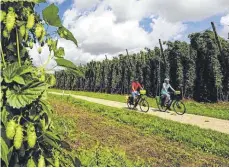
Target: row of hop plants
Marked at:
198, 69
28, 136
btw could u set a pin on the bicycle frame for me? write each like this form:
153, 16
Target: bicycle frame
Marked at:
173, 99
139, 97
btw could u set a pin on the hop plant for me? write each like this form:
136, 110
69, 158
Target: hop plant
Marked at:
22, 30
30, 21
56, 159
38, 30
5, 33
31, 136
42, 34
10, 19
30, 44
2, 15
31, 163
49, 41
52, 80
11, 129
26, 34
41, 161
39, 50
18, 138
56, 162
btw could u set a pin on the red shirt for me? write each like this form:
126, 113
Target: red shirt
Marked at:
136, 86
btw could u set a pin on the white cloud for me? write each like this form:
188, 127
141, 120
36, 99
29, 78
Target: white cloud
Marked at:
84, 4
101, 31
225, 22
56, 1
172, 10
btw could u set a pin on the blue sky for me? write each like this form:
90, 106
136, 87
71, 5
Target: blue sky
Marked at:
134, 25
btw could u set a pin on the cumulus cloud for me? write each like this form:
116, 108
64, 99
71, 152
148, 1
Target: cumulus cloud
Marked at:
99, 33
84, 4
108, 27
225, 22
178, 10
56, 1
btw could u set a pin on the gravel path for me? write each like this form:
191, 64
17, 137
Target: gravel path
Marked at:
200, 121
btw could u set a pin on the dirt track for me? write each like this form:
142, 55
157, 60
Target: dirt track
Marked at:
200, 121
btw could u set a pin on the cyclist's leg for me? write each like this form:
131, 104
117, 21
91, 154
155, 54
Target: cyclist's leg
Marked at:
167, 99
163, 97
134, 96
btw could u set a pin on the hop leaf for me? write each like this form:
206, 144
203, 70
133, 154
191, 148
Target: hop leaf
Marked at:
10, 129
18, 139
30, 21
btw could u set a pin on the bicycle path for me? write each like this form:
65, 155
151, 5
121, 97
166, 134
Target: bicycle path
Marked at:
191, 119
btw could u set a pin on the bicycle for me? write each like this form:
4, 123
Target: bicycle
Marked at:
140, 100
175, 102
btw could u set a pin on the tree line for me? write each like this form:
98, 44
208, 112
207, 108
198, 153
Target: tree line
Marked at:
200, 69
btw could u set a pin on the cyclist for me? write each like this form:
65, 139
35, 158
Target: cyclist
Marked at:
164, 90
136, 86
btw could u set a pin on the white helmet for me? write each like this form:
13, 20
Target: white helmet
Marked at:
166, 79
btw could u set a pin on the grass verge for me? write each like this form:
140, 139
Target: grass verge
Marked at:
193, 136
103, 136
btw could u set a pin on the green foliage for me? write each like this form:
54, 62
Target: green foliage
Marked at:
4, 151
196, 69
51, 17
100, 156
65, 63
66, 34
28, 137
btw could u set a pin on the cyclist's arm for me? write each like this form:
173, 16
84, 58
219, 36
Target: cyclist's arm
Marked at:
171, 88
163, 87
139, 85
133, 88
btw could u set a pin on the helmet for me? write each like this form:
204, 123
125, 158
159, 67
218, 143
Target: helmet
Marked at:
166, 79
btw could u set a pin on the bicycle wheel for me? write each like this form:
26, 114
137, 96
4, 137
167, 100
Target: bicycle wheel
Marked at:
179, 107
144, 105
159, 104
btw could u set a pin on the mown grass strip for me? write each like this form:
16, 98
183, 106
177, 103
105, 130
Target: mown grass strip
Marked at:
102, 141
205, 140
216, 110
